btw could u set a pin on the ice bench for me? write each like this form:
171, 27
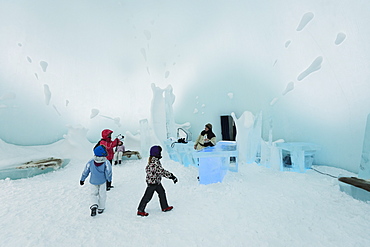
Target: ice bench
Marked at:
300, 154
356, 187
129, 153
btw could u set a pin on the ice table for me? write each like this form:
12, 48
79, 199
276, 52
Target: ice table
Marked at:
214, 162
301, 154
181, 152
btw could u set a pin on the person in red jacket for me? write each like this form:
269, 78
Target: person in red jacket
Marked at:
107, 142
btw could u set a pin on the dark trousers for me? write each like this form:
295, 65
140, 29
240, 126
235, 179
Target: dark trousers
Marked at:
149, 194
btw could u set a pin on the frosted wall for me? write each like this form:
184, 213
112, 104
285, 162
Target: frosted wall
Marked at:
304, 64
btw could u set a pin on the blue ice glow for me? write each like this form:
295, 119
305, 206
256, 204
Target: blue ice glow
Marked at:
301, 155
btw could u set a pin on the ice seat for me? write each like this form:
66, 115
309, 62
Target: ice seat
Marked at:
296, 156
355, 187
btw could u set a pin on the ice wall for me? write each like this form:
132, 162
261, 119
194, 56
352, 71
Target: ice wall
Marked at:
304, 64
364, 171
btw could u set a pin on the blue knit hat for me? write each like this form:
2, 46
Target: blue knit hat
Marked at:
100, 151
156, 151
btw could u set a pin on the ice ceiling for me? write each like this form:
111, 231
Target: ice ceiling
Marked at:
304, 64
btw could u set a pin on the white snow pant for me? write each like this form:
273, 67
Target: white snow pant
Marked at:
118, 156
99, 195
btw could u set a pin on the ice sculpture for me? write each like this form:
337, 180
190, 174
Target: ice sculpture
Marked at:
169, 99
163, 122
162, 129
248, 137
270, 154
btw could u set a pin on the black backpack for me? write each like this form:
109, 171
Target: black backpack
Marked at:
97, 144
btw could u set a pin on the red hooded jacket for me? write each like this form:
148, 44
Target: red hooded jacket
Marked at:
108, 143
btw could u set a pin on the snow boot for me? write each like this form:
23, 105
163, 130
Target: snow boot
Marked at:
140, 213
120, 161
93, 209
167, 209
100, 211
115, 162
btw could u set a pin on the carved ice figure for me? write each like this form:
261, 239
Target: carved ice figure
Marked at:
270, 154
158, 113
163, 122
169, 98
248, 137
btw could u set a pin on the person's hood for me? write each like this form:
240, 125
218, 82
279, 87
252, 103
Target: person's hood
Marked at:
105, 133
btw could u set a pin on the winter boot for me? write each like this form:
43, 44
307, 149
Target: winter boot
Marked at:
100, 211
93, 209
115, 162
140, 213
167, 209
120, 161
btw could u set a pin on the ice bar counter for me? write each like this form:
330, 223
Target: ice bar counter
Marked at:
214, 162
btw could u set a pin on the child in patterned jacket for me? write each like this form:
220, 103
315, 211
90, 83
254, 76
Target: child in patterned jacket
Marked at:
154, 174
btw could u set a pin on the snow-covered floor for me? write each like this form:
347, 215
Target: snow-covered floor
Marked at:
257, 206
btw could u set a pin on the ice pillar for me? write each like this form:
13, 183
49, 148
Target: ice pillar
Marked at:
163, 122
248, 136
364, 171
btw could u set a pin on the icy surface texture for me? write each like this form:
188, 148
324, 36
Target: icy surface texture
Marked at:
248, 137
297, 156
364, 171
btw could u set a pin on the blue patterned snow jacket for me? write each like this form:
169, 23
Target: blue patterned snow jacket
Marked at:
100, 172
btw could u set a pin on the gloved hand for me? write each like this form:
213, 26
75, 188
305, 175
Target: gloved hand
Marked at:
174, 178
109, 184
82, 183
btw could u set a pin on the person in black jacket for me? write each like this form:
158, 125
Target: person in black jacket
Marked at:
206, 138
154, 174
